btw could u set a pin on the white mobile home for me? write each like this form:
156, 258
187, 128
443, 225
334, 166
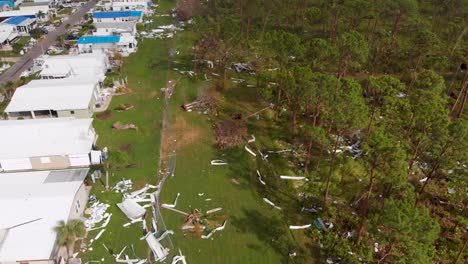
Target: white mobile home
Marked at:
46, 144
124, 43
68, 97
32, 204
114, 28
76, 65
118, 16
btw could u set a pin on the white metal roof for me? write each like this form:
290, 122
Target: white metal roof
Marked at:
79, 64
28, 196
53, 94
45, 137
13, 13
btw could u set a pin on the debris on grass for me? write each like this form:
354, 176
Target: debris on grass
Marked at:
122, 186
250, 151
132, 209
220, 228
260, 178
218, 162
119, 126
235, 181
207, 101
124, 107
173, 205
179, 258
230, 133
271, 203
293, 227
310, 210
97, 213
214, 210
251, 140
294, 178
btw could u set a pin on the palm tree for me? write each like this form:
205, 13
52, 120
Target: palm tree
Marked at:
68, 232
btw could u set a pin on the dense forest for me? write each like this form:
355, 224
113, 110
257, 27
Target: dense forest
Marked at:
386, 78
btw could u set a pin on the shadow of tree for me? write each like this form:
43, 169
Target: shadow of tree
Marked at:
269, 230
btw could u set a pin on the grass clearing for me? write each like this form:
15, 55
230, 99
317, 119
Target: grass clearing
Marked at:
255, 232
142, 146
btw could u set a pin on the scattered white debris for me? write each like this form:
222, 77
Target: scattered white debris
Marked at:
214, 210
271, 203
215, 230
179, 258
201, 194
451, 191
294, 178
310, 210
99, 234
97, 213
250, 151
299, 227
123, 186
131, 209
376, 247
218, 162
174, 204
251, 140
260, 178
132, 222
423, 179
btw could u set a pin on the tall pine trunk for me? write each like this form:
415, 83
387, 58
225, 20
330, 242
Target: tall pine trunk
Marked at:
362, 225
330, 173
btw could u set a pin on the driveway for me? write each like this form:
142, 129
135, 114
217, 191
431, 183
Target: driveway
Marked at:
27, 60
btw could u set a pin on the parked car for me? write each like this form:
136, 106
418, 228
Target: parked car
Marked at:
71, 37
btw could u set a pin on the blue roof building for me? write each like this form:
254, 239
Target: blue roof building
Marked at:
117, 14
16, 20
10, 3
98, 39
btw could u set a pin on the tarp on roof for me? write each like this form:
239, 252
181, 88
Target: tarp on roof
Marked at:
98, 39
115, 14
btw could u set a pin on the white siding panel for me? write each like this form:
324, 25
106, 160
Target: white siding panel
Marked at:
15, 164
79, 160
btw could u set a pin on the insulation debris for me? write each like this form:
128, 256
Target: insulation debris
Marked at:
250, 151
214, 210
294, 178
260, 178
97, 213
293, 227
218, 162
174, 204
215, 230
271, 203
122, 186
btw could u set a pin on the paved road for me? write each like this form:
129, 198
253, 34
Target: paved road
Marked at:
27, 60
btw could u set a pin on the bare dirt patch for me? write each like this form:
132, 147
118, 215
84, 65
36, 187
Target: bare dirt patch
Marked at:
183, 133
104, 115
152, 94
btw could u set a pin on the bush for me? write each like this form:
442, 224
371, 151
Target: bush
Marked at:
108, 82
17, 47
140, 27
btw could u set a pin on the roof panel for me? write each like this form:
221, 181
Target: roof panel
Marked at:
115, 14
98, 39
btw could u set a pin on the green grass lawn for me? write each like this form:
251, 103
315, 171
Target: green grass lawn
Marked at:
255, 231
142, 145
22, 41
